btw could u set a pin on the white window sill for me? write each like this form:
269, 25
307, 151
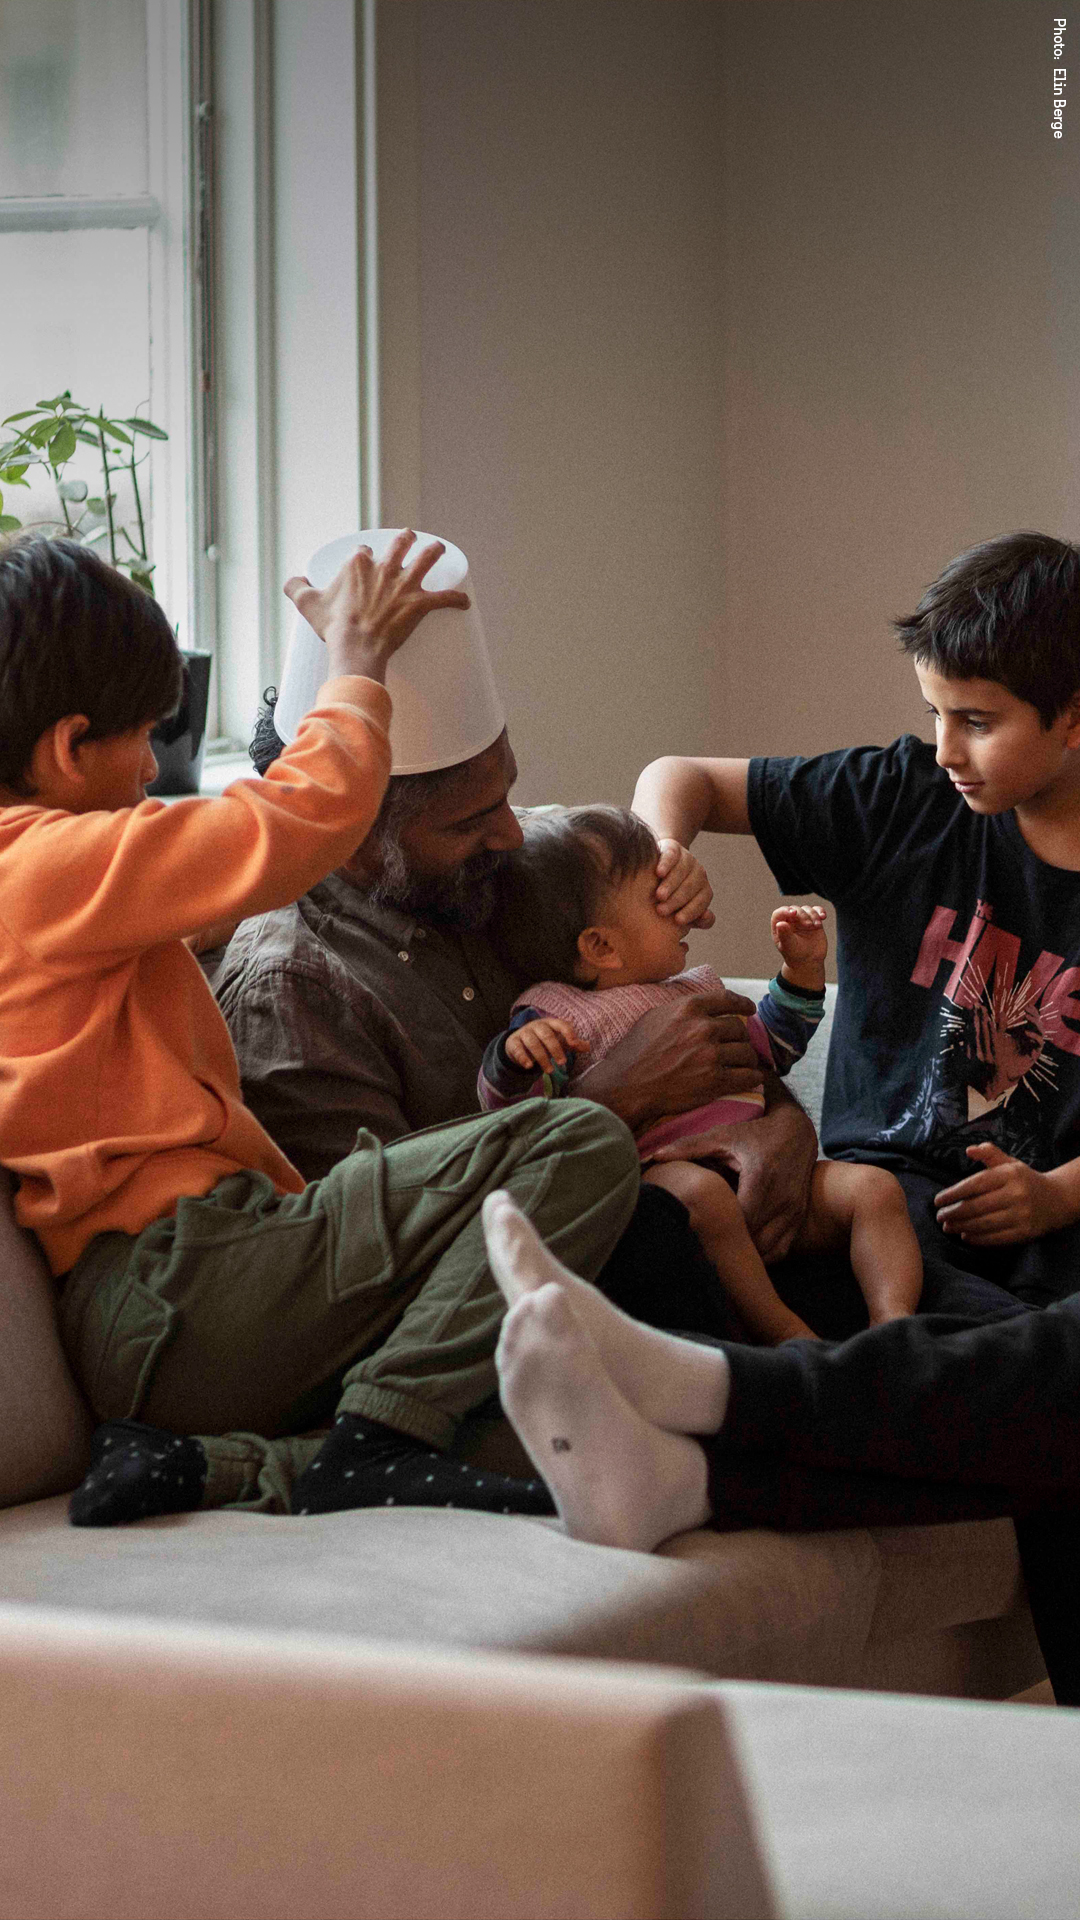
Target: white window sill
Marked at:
219, 769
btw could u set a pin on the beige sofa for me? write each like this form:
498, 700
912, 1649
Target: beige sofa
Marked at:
93, 1622
922, 1609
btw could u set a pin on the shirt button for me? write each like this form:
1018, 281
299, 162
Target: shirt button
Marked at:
468, 993
403, 953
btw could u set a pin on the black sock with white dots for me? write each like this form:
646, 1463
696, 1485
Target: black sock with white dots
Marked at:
137, 1472
366, 1464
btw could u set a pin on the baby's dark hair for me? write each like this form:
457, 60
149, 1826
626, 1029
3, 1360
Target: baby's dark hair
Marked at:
557, 883
1009, 611
76, 636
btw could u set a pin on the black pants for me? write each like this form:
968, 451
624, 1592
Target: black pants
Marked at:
969, 1410
929, 1418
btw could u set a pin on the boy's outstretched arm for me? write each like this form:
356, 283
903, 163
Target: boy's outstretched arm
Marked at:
681, 797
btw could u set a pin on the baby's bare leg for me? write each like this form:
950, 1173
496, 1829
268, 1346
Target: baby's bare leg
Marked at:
862, 1210
717, 1219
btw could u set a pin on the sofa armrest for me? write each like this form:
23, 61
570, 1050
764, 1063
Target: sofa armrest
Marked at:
161, 1772
45, 1424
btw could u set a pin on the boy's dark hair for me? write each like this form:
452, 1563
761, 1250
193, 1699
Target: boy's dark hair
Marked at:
1009, 611
76, 636
556, 884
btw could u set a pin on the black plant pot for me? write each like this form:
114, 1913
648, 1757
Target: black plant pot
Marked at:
178, 743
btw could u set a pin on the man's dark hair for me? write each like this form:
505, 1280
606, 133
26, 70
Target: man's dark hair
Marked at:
1009, 611
407, 794
557, 884
76, 636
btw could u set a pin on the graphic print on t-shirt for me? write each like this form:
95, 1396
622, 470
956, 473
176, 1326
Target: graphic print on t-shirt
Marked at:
1003, 1038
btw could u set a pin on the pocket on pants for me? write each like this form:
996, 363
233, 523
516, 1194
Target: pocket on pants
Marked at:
120, 1336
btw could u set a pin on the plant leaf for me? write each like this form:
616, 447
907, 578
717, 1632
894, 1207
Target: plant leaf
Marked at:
62, 444
99, 533
109, 428
27, 414
43, 432
72, 489
88, 439
8, 523
142, 577
147, 427
95, 504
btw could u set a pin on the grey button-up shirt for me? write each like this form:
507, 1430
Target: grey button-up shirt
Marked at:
347, 1015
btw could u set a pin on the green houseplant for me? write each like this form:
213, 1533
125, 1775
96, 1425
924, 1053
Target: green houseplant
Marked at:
48, 435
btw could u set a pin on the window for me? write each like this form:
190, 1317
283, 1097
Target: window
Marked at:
187, 229
99, 256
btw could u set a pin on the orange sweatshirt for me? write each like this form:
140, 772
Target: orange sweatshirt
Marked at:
119, 1089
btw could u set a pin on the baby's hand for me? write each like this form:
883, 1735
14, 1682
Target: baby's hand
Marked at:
683, 888
544, 1044
799, 932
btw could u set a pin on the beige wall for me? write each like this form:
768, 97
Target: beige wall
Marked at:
711, 331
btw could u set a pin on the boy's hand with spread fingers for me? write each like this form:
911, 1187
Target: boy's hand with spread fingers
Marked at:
799, 933
371, 607
545, 1043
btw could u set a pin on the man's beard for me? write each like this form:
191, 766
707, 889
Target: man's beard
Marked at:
463, 900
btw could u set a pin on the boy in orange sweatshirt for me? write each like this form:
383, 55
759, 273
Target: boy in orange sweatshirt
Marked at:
202, 1286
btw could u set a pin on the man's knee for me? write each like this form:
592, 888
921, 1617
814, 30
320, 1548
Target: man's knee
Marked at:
583, 1126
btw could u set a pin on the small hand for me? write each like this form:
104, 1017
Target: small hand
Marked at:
799, 932
683, 888
544, 1043
372, 606
1005, 1203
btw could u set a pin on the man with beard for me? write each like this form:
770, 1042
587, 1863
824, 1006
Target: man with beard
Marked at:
366, 1006
371, 1000
369, 1003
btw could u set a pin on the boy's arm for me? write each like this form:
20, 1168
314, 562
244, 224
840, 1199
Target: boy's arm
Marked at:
680, 797
116, 882
1008, 1201
108, 884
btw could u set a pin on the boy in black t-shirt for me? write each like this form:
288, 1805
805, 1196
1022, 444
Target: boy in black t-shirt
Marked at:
955, 873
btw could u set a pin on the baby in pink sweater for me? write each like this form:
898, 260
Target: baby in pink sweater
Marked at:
582, 902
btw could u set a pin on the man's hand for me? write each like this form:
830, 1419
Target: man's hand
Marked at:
1005, 1203
544, 1043
773, 1159
678, 1056
683, 887
371, 607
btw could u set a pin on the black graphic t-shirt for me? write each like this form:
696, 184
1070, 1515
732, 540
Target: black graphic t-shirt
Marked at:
958, 956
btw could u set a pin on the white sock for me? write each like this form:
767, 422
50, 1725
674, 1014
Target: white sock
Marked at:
616, 1479
673, 1383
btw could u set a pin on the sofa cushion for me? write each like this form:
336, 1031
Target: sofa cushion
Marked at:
748, 1605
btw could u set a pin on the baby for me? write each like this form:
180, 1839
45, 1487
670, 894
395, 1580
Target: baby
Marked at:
580, 901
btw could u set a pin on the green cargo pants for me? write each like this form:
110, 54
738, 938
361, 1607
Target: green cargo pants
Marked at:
232, 1312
